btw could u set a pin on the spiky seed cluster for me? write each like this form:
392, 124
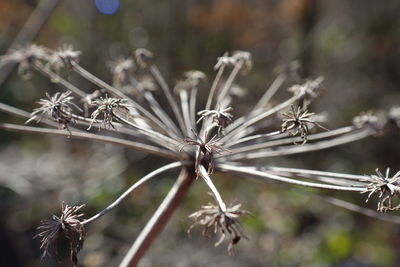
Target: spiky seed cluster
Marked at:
386, 187
107, 108
66, 56
56, 107
298, 121
68, 225
225, 222
25, 57
221, 117
206, 150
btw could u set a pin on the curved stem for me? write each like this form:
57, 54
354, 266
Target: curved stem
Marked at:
160, 218
130, 189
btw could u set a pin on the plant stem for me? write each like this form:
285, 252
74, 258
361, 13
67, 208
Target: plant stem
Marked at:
160, 218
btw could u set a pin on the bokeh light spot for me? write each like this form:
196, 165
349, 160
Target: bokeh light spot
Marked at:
107, 7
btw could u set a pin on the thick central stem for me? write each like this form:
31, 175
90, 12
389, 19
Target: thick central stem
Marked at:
160, 218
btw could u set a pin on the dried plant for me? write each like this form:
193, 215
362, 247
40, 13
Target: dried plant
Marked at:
68, 225
197, 142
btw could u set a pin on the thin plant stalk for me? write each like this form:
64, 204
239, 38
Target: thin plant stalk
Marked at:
270, 92
141, 181
160, 218
94, 137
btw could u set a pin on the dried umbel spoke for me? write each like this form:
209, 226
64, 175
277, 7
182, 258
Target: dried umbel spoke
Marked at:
25, 56
56, 107
386, 187
298, 122
106, 109
68, 225
226, 222
66, 56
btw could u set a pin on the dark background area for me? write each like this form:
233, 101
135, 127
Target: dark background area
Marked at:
354, 45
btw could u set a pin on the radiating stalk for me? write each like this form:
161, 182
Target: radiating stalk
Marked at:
131, 188
160, 218
94, 137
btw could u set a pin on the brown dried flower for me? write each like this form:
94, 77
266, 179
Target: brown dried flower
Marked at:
66, 56
221, 117
121, 70
67, 225
56, 107
387, 187
106, 107
226, 222
308, 90
25, 56
297, 122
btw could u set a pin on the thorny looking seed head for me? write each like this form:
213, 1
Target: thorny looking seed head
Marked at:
226, 222
106, 107
67, 225
206, 150
387, 187
296, 122
64, 57
25, 56
56, 107
221, 117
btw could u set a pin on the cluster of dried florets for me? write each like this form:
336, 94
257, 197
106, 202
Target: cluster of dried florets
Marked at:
69, 226
223, 221
387, 187
198, 142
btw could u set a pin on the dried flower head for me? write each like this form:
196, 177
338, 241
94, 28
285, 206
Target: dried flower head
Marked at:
25, 56
65, 56
67, 225
56, 107
387, 187
206, 148
226, 222
298, 122
121, 69
221, 117
308, 90
192, 80
143, 57
107, 108
244, 58
225, 60
370, 119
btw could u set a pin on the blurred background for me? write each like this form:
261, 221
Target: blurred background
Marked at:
354, 45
